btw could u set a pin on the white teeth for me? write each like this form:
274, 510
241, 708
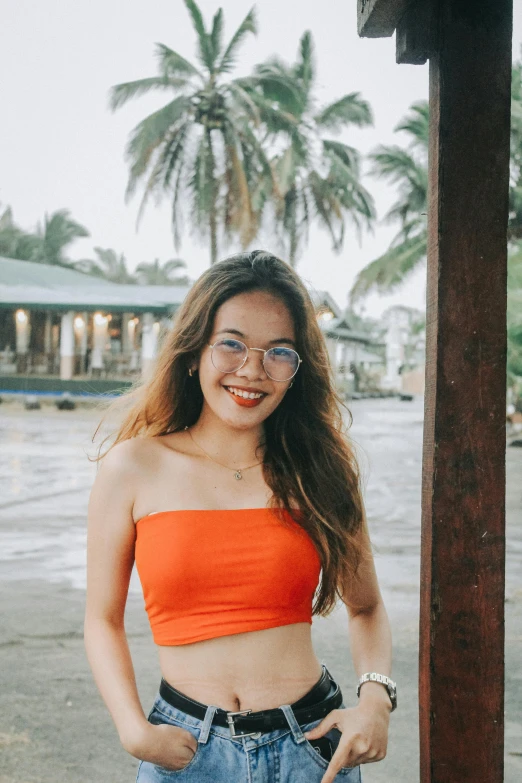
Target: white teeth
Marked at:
245, 394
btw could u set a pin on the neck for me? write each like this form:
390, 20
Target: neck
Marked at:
232, 446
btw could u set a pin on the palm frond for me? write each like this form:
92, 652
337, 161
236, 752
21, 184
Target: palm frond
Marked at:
271, 113
150, 133
349, 156
216, 34
417, 124
389, 271
173, 64
244, 100
202, 183
393, 162
327, 208
305, 66
351, 109
121, 93
204, 45
176, 211
168, 156
248, 25
274, 80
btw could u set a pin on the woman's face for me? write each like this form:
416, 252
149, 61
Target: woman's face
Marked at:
259, 320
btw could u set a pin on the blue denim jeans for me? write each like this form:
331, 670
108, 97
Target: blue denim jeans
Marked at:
280, 756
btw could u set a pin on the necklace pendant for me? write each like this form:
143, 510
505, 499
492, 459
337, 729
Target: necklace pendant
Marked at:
237, 475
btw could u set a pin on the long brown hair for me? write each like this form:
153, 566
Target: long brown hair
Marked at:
308, 460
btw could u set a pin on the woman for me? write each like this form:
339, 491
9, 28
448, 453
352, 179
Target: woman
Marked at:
232, 486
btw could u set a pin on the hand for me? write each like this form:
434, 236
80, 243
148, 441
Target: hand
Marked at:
165, 745
364, 736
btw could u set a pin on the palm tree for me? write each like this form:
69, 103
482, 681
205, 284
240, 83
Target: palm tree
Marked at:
14, 241
200, 147
318, 178
408, 168
57, 233
108, 264
156, 273
46, 245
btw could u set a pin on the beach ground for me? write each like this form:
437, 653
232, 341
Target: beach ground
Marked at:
54, 727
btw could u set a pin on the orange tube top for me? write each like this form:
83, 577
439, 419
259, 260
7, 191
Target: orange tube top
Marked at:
209, 573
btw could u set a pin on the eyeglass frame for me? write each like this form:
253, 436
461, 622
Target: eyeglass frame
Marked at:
264, 352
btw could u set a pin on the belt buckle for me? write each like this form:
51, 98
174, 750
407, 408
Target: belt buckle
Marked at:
230, 721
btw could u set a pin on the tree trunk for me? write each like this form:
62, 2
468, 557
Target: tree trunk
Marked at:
212, 217
293, 227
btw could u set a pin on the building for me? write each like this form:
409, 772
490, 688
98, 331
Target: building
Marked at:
60, 323
61, 329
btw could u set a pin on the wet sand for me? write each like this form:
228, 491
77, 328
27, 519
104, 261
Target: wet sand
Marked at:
54, 726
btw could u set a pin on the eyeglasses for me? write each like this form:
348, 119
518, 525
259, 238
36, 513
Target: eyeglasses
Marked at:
280, 363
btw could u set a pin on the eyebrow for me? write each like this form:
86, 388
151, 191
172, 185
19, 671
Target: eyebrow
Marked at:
278, 341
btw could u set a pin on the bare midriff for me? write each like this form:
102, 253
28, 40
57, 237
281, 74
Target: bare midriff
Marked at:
258, 670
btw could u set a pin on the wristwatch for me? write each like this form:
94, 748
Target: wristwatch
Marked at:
390, 685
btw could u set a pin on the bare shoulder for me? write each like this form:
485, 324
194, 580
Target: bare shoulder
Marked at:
118, 475
125, 457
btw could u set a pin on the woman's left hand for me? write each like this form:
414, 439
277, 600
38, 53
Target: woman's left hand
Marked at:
364, 736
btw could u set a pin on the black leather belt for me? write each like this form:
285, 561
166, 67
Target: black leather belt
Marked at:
314, 705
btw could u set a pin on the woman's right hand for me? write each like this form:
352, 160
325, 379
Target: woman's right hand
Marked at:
164, 745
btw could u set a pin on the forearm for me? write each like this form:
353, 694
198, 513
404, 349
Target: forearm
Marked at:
110, 660
371, 648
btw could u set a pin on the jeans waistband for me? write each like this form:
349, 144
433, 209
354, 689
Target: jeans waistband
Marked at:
324, 696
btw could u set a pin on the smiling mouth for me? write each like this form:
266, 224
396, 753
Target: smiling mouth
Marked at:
244, 394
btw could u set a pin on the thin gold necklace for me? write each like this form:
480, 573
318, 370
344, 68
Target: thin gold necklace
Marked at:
237, 473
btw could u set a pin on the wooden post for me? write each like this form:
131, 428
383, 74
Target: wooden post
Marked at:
461, 687
378, 18
461, 664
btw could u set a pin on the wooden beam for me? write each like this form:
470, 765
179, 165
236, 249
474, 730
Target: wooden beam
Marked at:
461, 656
379, 18
416, 33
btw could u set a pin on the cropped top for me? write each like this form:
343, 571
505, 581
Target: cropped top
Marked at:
210, 573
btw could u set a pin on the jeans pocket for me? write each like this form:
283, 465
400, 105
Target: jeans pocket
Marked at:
156, 717
332, 738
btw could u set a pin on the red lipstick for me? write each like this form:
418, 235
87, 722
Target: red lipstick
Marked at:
246, 402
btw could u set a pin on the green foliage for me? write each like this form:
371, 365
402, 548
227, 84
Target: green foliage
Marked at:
199, 149
225, 148
57, 233
317, 178
156, 273
108, 265
46, 245
408, 169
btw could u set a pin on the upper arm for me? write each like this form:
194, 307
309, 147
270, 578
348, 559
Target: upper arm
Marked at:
361, 592
111, 534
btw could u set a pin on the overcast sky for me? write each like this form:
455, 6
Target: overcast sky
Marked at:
61, 147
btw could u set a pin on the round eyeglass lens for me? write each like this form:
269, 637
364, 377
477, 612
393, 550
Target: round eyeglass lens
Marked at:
281, 364
228, 355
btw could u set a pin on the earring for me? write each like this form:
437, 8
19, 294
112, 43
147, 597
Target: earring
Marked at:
190, 371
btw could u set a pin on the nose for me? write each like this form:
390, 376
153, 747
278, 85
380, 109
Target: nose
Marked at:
253, 368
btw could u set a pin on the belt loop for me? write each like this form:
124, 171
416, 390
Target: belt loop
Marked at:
292, 722
207, 723
328, 672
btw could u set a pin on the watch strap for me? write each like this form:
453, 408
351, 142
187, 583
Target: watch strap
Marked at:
383, 679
